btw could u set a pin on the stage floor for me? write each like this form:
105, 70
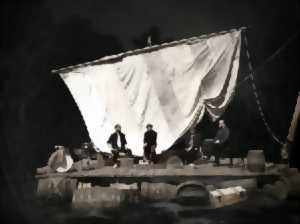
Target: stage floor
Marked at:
147, 171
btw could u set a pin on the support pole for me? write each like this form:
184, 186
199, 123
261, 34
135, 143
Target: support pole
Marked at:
292, 130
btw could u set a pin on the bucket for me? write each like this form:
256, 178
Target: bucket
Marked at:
256, 161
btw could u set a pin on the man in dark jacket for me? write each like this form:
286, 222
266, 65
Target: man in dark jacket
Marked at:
150, 143
192, 147
117, 143
220, 140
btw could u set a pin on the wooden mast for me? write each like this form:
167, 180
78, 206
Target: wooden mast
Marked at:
292, 130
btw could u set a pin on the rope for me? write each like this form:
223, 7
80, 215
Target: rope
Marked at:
270, 58
254, 88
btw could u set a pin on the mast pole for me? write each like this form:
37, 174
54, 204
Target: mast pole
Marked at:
292, 131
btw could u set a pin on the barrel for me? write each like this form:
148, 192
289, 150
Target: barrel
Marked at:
158, 191
99, 197
192, 192
256, 161
56, 188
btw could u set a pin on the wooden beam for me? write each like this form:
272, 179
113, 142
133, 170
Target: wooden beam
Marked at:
142, 50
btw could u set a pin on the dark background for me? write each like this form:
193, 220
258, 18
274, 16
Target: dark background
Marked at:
37, 111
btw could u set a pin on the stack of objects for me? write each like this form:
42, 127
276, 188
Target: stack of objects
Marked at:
59, 161
89, 164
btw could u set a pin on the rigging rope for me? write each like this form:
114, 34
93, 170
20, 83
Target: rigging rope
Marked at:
253, 85
270, 58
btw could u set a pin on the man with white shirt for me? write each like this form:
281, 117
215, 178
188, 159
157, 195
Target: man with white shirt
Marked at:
117, 143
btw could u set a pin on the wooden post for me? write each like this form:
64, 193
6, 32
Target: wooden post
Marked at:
292, 130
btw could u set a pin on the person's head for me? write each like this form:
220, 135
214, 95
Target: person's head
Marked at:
117, 128
149, 127
222, 124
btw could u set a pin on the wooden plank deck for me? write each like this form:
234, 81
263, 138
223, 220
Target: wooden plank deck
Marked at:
205, 170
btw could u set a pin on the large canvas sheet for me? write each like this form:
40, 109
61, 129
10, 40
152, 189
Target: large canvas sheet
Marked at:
170, 87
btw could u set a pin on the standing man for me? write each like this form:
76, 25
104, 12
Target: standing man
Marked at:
220, 140
150, 143
117, 143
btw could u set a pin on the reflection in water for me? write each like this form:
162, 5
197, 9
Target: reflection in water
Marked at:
257, 209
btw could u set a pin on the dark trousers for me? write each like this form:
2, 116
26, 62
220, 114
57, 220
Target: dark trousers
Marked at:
218, 148
211, 148
116, 152
189, 156
149, 152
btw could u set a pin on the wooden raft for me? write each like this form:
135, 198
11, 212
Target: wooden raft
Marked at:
206, 170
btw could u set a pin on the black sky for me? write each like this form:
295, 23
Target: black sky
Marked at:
38, 36
37, 110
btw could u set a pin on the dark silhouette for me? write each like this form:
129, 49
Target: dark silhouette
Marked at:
150, 143
156, 37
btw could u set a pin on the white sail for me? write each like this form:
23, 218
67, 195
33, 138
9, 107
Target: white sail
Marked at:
169, 87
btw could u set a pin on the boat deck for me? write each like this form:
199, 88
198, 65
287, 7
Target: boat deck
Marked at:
200, 171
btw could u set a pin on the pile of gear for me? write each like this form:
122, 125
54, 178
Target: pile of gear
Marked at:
62, 161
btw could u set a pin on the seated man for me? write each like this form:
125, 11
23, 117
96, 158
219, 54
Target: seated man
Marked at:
192, 149
218, 143
117, 143
150, 144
